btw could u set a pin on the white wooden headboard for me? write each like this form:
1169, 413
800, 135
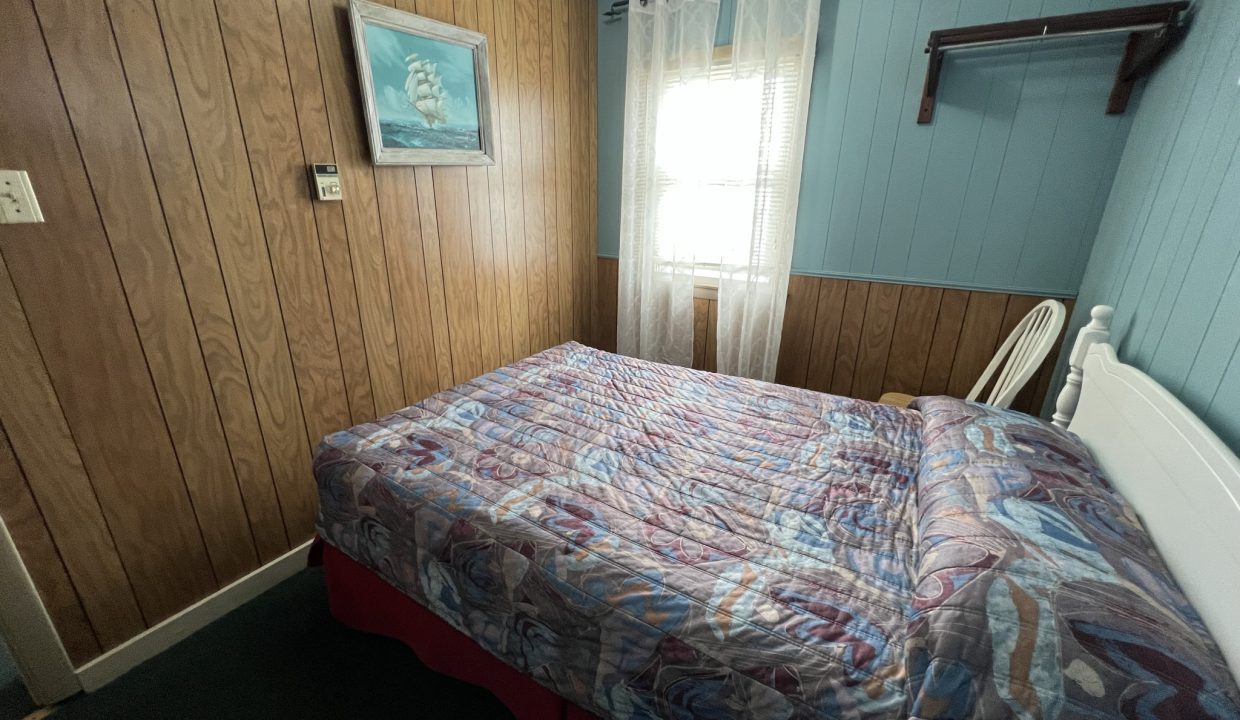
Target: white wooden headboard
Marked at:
1179, 476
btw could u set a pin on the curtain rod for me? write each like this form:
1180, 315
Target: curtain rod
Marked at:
618, 8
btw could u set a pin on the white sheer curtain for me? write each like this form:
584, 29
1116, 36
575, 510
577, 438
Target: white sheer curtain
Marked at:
771, 65
712, 166
670, 46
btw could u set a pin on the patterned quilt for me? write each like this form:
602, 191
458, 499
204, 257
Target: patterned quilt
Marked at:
1039, 594
651, 541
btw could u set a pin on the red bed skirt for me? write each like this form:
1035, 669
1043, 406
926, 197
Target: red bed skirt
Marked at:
364, 601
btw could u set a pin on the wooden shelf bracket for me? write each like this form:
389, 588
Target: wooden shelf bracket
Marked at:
1151, 30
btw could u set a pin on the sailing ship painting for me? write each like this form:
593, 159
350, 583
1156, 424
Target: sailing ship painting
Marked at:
425, 101
424, 86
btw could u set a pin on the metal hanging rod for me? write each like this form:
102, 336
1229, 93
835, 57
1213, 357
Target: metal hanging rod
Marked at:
1116, 20
1056, 36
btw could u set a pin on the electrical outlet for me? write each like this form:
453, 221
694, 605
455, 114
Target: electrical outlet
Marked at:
17, 201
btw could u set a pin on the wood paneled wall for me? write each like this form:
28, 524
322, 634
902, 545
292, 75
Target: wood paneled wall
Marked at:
862, 339
188, 322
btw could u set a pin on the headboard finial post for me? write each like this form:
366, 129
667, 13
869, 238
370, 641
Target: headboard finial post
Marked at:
1097, 331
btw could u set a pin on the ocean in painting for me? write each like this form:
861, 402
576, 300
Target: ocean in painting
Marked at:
416, 135
425, 91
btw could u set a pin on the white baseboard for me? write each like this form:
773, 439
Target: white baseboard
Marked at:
158, 638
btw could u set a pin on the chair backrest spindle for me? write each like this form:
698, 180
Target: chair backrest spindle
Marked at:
1021, 353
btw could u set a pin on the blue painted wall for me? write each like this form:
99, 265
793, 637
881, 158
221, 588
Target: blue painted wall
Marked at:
612, 56
1003, 191
1168, 247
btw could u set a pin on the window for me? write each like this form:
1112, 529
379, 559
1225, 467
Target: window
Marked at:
709, 166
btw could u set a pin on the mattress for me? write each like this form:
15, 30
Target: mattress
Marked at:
653, 541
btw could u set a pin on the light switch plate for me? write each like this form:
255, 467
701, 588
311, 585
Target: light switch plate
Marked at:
17, 201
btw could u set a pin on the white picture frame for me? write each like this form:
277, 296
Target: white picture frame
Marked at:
425, 101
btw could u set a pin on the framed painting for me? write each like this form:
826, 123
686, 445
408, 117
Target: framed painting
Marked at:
425, 88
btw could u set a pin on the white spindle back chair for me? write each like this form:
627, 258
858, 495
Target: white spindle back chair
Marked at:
1023, 350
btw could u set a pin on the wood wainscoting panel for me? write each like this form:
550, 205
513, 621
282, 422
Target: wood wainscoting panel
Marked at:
589, 34
793, 364
441, 335
88, 68
204, 86
36, 431
978, 337
824, 340
943, 344
508, 126
912, 337
710, 357
360, 203
546, 103
455, 235
862, 339
297, 30
502, 295
260, 79
189, 321
136, 29
848, 344
68, 286
881, 312
605, 307
559, 118
29, 531
701, 317
581, 20
408, 271
451, 190
529, 109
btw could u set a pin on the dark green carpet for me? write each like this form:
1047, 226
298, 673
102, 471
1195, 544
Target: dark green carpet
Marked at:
283, 656
14, 702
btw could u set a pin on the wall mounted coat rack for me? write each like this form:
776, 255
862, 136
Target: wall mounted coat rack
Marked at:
1150, 28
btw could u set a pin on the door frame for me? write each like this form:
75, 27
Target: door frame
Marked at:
28, 632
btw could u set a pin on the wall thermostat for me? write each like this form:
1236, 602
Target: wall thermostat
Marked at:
325, 179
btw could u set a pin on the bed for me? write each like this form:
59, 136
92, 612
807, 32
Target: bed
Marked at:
590, 534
